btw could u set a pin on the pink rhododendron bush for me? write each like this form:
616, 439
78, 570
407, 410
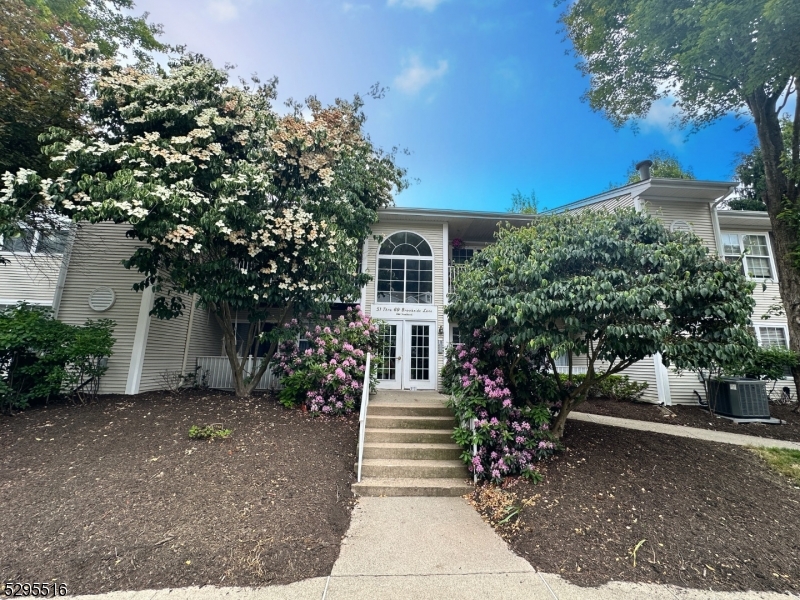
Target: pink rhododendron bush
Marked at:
512, 430
324, 364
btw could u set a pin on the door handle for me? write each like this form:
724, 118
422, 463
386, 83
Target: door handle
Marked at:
399, 358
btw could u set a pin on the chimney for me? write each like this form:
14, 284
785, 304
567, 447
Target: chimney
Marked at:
644, 169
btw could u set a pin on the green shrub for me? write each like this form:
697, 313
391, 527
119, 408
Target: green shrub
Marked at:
328, 375
770, 363
41, 358
615, 387
209, 432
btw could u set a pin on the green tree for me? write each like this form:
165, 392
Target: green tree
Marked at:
524, 204
39, 88
107, 23
714, 59
252, 211
665, 165
752, 191
605, 289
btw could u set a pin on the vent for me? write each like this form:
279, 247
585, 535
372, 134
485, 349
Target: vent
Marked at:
101, 299
680, 225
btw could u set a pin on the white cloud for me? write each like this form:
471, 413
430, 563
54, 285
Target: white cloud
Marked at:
351, 7
416, 75
222, 10
429, 5
664, 117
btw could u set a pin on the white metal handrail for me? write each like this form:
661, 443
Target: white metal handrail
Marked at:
362, 417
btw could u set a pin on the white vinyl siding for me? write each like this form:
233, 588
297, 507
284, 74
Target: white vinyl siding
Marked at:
163, 353
97, 261
31, 278
696, 214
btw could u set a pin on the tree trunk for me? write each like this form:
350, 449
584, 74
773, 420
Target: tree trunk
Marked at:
781, 194
242, 385
561, 421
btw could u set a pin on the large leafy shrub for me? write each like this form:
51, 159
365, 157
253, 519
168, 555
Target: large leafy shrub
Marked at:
327, 372
41, 357
610, 287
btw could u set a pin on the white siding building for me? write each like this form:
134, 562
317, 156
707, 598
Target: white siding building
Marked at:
411, 259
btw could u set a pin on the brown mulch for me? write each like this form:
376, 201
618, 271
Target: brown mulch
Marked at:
712, 516
695, 416
115, 496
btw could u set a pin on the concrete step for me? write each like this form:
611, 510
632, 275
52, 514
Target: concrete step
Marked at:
408, 436
395, 422
412, 451
409, 409
378, 486
418, 469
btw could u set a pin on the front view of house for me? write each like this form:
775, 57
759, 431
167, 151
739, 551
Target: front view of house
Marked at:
412, 259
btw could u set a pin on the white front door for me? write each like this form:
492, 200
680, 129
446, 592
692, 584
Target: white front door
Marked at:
409, 359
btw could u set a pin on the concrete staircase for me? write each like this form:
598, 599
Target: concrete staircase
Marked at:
409, 449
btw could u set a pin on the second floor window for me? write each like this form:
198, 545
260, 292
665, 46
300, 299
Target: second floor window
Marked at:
755, 247
405, 269
462, 255
36, 242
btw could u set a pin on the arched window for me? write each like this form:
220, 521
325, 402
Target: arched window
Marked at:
405, 269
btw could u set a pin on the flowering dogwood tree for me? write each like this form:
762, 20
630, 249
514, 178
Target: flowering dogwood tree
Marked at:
611, 288
250, 210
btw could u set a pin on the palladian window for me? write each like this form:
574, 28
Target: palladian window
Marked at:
405, 269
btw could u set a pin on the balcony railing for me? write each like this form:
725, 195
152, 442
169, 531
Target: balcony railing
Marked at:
453, 270
216, 372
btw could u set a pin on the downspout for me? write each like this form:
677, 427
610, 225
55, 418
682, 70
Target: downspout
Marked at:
715, 219
62, 272
188, 337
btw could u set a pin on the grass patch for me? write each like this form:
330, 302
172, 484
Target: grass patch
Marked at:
783, 460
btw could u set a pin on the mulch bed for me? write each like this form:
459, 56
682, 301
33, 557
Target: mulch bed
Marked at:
115, 496
694, 416
712, 516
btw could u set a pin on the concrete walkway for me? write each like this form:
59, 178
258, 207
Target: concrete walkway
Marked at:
432, 549
722, 437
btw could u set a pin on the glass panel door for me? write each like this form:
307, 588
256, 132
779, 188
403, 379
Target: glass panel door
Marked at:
420, 371
389, 371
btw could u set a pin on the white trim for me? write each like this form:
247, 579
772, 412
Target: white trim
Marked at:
717, 231
188, 339
140, 341
378, 257
770, 256
662, 380
767, 324
637, 204
62, 272
445, 283
364, 269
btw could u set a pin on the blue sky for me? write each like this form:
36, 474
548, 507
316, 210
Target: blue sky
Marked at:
482, 92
